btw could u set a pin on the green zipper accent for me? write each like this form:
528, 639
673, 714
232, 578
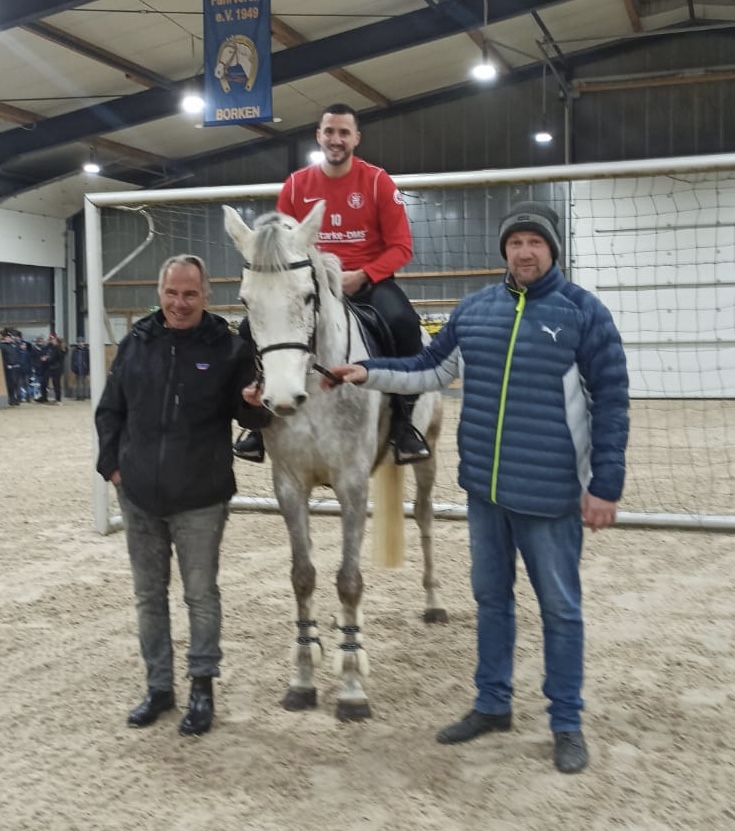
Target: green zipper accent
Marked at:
520, 306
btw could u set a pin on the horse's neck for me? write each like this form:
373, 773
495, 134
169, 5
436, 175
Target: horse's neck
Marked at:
339, 339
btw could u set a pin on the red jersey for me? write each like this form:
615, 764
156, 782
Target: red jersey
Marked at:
365, 222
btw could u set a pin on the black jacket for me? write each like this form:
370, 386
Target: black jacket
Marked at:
165, 416
80, 359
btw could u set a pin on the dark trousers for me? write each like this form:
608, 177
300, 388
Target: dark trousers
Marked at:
55, 379
81, 387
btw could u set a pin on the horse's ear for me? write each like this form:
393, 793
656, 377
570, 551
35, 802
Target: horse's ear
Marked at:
239, 232
309, 228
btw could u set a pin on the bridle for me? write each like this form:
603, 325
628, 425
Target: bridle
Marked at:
309, 347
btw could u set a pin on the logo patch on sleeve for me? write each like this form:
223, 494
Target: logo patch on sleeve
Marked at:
202, 366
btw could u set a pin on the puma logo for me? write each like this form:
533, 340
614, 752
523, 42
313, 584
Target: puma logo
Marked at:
552, 332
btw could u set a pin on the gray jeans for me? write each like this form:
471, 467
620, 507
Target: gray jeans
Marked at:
196, 536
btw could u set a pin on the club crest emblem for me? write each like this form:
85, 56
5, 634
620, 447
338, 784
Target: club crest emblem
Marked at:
356, 200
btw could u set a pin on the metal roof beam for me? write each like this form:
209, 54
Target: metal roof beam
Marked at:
20, 12
135, 72
311, 58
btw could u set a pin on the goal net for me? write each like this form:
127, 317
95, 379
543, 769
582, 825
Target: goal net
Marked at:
654, 240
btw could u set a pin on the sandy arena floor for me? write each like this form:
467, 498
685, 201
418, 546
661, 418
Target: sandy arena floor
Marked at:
660, 687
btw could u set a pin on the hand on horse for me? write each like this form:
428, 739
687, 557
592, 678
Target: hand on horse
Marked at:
348, 373
252, 394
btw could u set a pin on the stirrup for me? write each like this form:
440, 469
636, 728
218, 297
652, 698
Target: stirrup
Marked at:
250, 448
410, 446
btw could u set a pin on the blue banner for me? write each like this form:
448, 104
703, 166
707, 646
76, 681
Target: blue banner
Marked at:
237, 62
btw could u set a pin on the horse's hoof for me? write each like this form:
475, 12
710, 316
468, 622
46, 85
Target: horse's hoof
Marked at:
353, 710
435, 616
299, 699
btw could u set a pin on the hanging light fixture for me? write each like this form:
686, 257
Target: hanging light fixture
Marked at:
92, 165
542, 135
484, 71
192, 101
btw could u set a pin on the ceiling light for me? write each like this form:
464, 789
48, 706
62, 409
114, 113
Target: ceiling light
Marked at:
316, 157
91, 165
484, 71
542, 135
192, 103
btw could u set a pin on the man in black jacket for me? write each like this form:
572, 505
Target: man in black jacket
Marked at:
165, 431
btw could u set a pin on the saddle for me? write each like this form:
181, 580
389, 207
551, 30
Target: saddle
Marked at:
374, 331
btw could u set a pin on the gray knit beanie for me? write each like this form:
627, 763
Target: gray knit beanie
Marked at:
532, 216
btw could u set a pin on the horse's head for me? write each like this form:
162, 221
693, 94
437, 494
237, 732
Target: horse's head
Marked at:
281, 291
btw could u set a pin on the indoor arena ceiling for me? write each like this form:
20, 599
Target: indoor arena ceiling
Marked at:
106, 76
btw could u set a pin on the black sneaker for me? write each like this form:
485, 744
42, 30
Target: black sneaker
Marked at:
410, 446
474, 724
570, 752
250, 448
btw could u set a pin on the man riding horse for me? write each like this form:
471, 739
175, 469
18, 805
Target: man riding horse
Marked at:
366, 227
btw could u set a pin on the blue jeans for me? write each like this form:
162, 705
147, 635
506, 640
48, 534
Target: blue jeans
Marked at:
197, 536
551, 550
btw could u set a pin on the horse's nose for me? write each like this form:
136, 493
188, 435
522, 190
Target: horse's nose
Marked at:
285, 409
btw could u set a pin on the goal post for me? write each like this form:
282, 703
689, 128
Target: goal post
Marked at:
654, 239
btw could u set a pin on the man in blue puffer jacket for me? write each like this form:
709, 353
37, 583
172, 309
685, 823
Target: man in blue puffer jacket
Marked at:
542, 438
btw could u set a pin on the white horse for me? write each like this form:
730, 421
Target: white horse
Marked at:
300, 322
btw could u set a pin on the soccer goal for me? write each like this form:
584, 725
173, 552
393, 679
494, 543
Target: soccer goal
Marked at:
655, 240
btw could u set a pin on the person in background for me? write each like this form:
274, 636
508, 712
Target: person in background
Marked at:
164, 423
366, 226
52, 366
25, 369
542, 438
11, 366
38, 349
80, 369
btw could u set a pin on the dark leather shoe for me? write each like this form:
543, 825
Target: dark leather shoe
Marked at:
251, 448
198, 718
151, 707
474, 724
570, 752
410, 446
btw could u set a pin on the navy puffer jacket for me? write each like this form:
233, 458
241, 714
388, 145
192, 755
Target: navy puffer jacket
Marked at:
545, 394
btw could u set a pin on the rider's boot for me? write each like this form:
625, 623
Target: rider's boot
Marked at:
408, 444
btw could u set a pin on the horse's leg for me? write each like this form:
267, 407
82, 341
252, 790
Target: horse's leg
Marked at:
351, 662
425, 474
307, 651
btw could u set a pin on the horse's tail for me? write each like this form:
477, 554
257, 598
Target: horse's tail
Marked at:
387, 525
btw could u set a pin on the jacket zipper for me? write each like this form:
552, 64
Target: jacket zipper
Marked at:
166, 399
520, 306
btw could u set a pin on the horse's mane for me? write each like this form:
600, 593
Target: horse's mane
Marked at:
271, 252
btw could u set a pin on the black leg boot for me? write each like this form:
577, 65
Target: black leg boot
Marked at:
198, 718
408, 444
